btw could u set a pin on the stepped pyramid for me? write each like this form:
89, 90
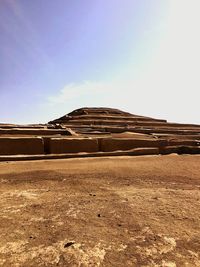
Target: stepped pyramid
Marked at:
107, 120
97, 132
101, 120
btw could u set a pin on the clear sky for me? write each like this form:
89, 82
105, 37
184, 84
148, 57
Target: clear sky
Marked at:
142, 56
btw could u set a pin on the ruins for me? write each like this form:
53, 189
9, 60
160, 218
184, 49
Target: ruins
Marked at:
93, 132
73, 193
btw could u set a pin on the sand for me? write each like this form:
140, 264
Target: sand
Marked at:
117, 211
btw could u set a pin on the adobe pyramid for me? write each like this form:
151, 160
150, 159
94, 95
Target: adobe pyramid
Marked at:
98, 132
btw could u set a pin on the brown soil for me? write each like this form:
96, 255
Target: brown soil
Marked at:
122, 211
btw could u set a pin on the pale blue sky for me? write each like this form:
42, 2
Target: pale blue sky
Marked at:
140, 56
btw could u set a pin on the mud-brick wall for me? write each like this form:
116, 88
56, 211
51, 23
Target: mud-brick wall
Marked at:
75, 145
21, 146
114, 144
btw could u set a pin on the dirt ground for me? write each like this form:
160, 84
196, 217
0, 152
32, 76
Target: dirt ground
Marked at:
120, 211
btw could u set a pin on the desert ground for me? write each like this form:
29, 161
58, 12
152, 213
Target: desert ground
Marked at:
115, 211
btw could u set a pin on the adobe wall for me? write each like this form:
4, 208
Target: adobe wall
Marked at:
177, 136
72, 145
109, 117
21, 146
183, 142
180, 149
189, 150
100, 131
113, 144
94, 146
22, 131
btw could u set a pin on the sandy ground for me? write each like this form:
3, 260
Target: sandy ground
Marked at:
122, 211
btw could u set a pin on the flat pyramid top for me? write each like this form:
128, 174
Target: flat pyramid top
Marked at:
97, 110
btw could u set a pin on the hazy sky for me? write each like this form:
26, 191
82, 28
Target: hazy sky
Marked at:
142, 56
